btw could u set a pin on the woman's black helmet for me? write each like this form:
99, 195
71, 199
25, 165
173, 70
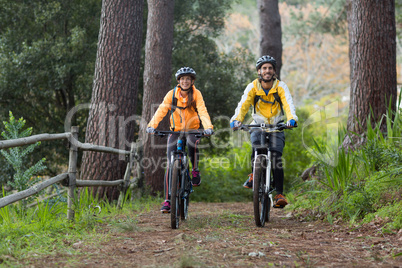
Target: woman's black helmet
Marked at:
185, 71
265, 59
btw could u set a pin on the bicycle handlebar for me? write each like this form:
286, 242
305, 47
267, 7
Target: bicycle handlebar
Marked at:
272, 128
198, 133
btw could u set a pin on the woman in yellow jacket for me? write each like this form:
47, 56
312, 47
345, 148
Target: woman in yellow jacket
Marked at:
187, 109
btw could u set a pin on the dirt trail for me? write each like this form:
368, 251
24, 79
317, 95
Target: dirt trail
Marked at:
224, 235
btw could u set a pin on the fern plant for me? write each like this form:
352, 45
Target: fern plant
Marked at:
23, 177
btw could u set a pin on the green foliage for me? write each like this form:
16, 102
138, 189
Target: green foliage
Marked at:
340, 175
223, 176
48, 52
389, 216
203, 16
295, 158
365, 183
398, 18
23, 178
5, 213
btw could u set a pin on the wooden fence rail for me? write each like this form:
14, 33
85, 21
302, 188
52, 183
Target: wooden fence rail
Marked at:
69, 179
31, 191
33, 139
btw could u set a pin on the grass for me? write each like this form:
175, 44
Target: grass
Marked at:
44, 229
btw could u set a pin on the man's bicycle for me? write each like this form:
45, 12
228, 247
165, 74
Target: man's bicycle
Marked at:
263, 180
179, 178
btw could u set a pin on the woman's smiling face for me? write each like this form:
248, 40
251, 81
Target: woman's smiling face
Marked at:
185, 82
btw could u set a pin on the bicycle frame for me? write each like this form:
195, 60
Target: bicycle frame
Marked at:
182, 157
265, 129
268, 173
262, 163
179, 178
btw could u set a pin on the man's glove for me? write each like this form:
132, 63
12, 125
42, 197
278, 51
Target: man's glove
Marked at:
291, 123
208, 132
235, 124
150, 130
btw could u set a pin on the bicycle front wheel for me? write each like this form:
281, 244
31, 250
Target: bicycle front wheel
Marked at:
175, 196
260, 196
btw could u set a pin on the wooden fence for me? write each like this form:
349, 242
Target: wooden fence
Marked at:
69, 179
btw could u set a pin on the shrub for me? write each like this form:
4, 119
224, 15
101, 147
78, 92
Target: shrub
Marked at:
23, 178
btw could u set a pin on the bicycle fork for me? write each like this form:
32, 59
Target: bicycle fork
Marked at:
268, 177
267, 174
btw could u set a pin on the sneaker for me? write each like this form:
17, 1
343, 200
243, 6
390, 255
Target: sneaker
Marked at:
196, 181
249, 182
280, 201
166, 207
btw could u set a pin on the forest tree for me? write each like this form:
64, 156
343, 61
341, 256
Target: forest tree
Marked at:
114, 93
157, 77
271, 31
372, 54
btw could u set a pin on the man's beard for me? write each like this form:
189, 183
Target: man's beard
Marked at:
265, 80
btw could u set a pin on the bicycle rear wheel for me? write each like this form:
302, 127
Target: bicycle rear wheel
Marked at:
175, 196
261, 200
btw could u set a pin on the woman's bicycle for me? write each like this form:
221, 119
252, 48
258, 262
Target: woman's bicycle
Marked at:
263, 180
179, 178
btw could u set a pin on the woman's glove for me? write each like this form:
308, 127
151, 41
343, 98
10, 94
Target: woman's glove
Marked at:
150, 130
208, 132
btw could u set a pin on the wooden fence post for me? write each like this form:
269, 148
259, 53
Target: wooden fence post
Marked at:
137, 185
126, 179
72, 173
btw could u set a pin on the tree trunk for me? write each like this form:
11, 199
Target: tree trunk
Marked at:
271, 31
157, 78
114, 93
372, 54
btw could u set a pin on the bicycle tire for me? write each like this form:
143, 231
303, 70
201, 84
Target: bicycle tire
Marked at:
268, 202
175, 196
260, 197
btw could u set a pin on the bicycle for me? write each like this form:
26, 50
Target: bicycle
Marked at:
263, 180
179, 178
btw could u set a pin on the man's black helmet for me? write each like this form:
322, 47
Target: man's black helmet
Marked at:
265, 59
185, 71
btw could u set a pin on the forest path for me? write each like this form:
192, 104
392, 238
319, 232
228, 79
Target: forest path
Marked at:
224, 235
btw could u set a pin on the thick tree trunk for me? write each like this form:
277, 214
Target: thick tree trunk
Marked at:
157, 78
114, 93
271, 31
372, 53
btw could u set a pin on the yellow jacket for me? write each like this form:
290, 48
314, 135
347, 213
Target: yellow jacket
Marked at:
270, 111
183, 119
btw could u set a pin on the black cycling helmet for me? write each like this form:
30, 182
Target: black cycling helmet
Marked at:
265, 59
185, 71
